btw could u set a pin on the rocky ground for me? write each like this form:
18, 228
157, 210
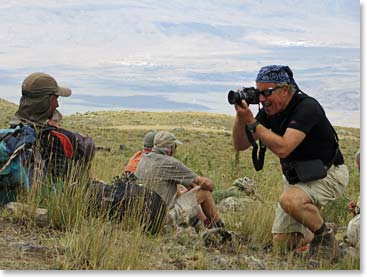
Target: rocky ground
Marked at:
24, 247
28, 246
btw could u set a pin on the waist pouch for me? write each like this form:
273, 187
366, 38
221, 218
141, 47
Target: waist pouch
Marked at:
310, 170
304, 171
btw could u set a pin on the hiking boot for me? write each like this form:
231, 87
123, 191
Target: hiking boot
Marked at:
197, 224
212, 224
324, 247
216, 237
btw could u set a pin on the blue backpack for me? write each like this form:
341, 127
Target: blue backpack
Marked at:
15, 157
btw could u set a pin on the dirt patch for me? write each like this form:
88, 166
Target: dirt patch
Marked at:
25, 247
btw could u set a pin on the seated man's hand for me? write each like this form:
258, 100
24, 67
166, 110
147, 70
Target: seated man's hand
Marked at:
181, 190
352, 207
192, 186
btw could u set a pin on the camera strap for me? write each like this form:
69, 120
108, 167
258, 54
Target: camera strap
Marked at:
258, 156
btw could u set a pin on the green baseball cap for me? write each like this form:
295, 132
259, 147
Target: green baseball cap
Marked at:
38, 84
164, 139
149, 139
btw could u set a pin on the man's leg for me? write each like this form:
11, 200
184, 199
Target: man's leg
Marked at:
288, 233
297, 204
200, 215
290, 241
301, 202
206, 201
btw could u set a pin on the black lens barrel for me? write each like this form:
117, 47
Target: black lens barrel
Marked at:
234, 97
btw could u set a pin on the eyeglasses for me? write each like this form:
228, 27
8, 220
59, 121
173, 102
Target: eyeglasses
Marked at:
268, 92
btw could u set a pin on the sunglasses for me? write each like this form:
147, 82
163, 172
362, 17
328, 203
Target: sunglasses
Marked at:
268, 92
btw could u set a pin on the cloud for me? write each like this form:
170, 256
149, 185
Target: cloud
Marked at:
197, 48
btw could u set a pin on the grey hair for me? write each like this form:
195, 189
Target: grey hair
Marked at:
292, 89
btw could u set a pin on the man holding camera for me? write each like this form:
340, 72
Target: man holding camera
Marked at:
295, 128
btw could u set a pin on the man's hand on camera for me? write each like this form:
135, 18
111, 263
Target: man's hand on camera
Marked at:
244, 113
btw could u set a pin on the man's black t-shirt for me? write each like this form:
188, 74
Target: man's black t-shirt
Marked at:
305, 114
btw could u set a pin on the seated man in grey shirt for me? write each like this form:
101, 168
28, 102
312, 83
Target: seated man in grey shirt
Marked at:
160, 171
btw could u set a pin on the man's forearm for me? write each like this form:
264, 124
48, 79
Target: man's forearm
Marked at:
240, 140
283, 145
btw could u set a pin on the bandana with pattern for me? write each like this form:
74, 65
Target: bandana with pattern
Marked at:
276, 74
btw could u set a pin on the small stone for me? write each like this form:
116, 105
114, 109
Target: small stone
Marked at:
26, 246
234, 204
343, 132
220, 261
39, 213
103, 148
254, 263
248, 186
350, 253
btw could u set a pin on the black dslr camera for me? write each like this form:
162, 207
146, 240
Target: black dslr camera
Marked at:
250, 95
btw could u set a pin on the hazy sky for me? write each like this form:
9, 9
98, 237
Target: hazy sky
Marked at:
181, 55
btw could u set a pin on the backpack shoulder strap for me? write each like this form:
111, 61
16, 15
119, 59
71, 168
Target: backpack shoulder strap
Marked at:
17, 139
65, 142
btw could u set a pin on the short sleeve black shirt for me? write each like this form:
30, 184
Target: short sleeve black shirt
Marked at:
305, 114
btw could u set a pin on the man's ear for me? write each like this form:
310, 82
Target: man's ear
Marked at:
286, 90
172, 150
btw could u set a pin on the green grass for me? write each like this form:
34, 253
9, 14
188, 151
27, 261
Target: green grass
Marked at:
90, 243
7, 111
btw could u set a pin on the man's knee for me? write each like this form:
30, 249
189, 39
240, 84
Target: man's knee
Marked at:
293, 199
288, 202
203, 195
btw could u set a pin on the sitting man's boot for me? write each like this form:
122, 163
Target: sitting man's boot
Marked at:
324, 247
210, 224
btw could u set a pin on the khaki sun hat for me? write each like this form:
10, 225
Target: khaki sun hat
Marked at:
164, 139
38, 84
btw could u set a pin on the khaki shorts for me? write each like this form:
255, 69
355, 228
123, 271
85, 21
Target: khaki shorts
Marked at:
185, 207
320, 192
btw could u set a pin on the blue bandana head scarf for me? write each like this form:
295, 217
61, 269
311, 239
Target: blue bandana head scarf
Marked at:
276, 74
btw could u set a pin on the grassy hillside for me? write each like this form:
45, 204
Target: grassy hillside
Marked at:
7, 111
207, 149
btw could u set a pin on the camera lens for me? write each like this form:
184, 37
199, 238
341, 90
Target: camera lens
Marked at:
233, 97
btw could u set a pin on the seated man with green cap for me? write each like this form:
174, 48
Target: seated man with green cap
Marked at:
59, 148
161, 172
133, 162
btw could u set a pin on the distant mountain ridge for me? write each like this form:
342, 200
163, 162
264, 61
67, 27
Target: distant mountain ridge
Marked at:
8, 109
